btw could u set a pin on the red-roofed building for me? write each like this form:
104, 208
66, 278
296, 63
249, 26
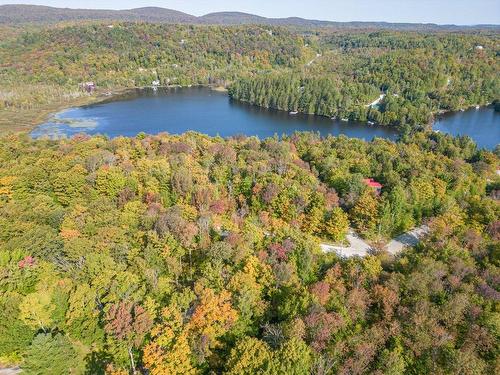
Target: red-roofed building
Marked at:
373, 184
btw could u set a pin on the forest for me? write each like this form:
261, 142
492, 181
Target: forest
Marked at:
419, 75
188, 254
325, 71
195, 255
131, 55
41, 67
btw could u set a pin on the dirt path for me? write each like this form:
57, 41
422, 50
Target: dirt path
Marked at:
376, 102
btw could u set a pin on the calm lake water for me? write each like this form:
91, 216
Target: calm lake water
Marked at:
199, 109
482, 125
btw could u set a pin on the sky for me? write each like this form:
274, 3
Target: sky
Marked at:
462, 12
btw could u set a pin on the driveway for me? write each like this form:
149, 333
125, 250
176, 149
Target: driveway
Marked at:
408, 239
359, 247
10, 371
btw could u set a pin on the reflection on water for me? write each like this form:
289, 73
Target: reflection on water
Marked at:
205, 111
197, 109
482, 125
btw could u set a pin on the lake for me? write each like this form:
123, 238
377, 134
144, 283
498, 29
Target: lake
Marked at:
200, 109
482, 125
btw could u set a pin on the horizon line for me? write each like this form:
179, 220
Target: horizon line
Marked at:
257, 15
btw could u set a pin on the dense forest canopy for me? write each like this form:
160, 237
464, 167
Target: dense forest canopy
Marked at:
134, 54
418, 74
190, 254
325, 72
196, 255
43, 66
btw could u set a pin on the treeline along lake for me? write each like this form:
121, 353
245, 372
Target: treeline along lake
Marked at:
200, 109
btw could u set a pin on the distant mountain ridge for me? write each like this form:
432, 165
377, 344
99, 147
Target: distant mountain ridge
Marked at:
39, 13
15, 14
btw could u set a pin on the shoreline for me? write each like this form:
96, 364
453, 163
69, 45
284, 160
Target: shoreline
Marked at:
42, 115
24, 121
428, 126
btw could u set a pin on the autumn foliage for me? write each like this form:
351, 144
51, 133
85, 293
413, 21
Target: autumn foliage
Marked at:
195, 255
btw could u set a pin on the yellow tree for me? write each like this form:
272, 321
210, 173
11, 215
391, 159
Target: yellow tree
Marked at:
247, 287
68, 185
212, 318
364, 214
6, 186
314, 215
36, 309
337, 225
169, 353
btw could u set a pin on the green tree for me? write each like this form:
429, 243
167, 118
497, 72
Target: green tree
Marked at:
68, 185
249, 356
110, 181
15, 335
82, 316
294, 357
52, 355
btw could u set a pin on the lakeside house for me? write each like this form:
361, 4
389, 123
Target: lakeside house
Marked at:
155, 83
376, 186
88, 86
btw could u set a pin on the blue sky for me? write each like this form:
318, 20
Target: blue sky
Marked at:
435, 11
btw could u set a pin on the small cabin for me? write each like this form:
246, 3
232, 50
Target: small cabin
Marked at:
88, 86
156, 83
376, 186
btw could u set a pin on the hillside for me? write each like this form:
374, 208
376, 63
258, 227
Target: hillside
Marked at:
12, 14
42, 14
443, 71
128, 55
232, 18
151, 229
